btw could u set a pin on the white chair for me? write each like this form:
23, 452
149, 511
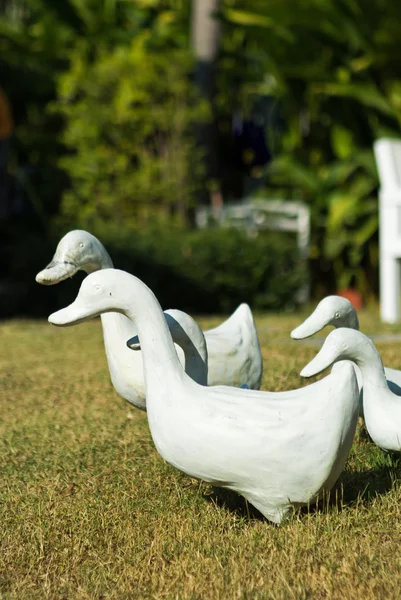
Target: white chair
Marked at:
388, 160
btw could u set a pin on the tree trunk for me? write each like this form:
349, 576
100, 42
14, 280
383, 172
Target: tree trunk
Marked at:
205, 40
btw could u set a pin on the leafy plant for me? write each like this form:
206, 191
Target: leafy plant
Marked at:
210, 270
51, 54
344, 212
128, 115
332, 67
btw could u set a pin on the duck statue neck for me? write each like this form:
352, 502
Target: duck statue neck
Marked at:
381, 407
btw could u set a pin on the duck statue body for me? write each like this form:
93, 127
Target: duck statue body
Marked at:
339, 312
381, 407
231, 350
277, 449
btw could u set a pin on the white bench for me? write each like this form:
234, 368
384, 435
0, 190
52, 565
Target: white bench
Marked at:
254, 215
388, 160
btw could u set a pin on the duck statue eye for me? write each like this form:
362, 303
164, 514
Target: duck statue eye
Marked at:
82, 245
337, 315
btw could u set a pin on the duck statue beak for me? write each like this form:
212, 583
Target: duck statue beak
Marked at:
73, 314
310, 326
134, 343
324, 359
55, 272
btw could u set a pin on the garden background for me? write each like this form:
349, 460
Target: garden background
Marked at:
129, 114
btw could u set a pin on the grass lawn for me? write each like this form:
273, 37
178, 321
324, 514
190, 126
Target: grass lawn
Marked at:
89, 509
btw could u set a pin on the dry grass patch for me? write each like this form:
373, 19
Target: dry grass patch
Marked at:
89, 510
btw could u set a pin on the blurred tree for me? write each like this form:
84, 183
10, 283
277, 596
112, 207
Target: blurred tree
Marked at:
50, 51
334, 68
32, 46
128, 115
117, 76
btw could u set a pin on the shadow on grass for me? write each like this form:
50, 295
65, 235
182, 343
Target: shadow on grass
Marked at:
366, 485
359, 487
353, 488
234, 503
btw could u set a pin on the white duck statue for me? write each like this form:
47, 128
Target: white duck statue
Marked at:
277, 449
381, 407
233, 350
339, 312
332, 310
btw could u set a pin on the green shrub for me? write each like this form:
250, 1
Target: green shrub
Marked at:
129, 117
200, 271
210, 270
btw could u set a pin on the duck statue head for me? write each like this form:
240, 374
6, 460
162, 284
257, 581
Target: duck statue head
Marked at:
77, 250
97, 295
332, 310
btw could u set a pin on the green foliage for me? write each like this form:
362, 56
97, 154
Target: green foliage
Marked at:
78, 75
32, 47
210, 270
106, 110
202, 271
343, 199
128, 117
335, 76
